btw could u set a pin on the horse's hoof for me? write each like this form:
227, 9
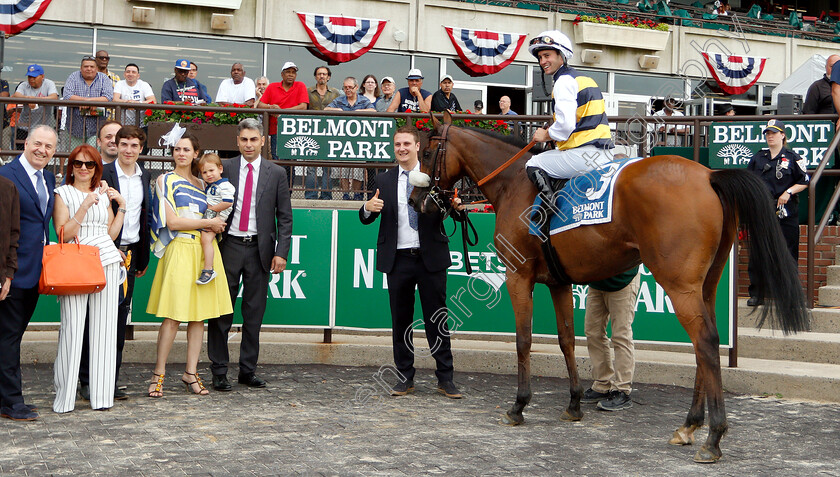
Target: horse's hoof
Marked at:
682, 437
704, 456
571, 417
508, 420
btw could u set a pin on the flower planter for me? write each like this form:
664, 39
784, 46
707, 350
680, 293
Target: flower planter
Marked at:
210, 136
621, 36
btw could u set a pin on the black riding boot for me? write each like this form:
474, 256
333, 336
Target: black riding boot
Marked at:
541, 180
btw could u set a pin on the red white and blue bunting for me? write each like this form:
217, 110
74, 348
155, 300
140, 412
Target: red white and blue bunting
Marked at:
734, 74
340, 38
18, 15
485, 52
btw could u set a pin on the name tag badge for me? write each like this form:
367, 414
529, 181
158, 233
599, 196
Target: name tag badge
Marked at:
784, 163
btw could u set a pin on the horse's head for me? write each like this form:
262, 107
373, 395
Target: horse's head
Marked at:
439, 170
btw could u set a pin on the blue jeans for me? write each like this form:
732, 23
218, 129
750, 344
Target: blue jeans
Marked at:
311, 183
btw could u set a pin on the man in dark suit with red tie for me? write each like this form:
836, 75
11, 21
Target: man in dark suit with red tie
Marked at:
254, 245
35, 190
412, 252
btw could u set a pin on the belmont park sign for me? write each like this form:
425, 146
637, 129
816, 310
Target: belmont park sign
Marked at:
331, 138
732, 144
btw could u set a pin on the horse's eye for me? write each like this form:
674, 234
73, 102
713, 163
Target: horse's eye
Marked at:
427, 153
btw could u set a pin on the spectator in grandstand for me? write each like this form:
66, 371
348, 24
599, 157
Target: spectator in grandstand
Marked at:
504, 106
726, 110
668, 133
238, 89
444, 99
102, 60
181, 88
35, 86
721, 7
413, 97
320, 96
132, 90
388, 87
288, 94
87, 84
262, 83
351, 177
370, 89
818, 99
478, 106
192, 75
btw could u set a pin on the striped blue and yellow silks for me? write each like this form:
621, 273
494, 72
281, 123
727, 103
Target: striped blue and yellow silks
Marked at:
591, 125
185, 199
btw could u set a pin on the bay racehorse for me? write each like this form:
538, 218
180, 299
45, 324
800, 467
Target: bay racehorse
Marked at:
676, 216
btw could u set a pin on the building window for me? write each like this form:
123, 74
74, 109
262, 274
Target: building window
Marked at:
58, 49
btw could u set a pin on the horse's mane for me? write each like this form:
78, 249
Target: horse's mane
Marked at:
505, 138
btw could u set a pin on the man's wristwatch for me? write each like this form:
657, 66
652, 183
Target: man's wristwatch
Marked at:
790, 191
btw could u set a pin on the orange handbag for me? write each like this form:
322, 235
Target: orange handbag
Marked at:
71, 268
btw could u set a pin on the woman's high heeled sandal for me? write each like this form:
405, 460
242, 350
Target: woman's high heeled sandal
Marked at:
157, 392
202, 391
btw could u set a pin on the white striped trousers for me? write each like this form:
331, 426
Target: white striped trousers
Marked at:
103, 344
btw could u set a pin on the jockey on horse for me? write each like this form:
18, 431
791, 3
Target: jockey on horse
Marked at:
580, 129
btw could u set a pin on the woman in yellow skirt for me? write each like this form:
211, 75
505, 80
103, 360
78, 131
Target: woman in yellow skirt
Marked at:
178, 205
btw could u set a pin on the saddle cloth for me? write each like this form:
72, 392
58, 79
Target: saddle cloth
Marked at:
584, 200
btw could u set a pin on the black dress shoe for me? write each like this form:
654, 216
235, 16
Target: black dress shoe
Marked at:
221, 383
251, 380
753, 301
84, 390
402, 388
448, 389
120, 394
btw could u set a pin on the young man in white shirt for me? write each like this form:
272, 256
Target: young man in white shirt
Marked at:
132, 90
238, 89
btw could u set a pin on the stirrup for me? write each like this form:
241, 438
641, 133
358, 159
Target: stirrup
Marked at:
158, 385
198, 381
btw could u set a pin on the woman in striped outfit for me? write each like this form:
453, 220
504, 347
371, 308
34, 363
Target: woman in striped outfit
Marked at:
178, 206
85, 213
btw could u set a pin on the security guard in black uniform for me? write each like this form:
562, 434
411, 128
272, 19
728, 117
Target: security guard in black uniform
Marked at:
784, 173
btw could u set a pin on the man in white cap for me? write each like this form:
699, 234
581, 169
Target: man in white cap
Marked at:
414, 97
388, 88
288, 94
582, 144
443, 99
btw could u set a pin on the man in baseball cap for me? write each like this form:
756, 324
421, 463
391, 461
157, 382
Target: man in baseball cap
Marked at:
181, 88
581, 144
35, 86
414, 97
288, 94
444, 99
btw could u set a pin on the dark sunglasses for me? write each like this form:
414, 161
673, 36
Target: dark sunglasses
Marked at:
88, 58
106, 58
89, 165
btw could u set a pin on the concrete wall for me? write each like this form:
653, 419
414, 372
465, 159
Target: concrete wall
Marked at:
423, 21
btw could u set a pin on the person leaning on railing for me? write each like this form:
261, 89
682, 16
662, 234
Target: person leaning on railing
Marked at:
87, 84
36, 86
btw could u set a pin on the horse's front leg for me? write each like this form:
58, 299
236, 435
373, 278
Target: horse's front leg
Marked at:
561, 296
521, 297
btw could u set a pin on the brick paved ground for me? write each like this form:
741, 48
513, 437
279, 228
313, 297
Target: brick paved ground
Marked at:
300, 424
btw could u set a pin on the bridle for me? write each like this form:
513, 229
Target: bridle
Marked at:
442, 198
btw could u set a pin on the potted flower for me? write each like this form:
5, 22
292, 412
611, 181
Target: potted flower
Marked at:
214, 130
612, 31
498, 125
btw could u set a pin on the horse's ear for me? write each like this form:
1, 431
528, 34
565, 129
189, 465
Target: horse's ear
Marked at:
435, 122
447, 118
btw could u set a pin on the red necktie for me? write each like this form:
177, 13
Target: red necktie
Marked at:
246, 200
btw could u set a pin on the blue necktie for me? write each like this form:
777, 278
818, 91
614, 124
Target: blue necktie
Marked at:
41, 189
412, 214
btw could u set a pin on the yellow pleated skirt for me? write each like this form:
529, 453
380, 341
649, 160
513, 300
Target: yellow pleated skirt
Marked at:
174, 292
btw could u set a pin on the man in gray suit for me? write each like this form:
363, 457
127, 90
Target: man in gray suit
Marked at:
254, 245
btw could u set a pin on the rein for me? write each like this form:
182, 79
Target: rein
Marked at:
507, 164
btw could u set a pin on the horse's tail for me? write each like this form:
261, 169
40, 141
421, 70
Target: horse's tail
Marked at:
778, 286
